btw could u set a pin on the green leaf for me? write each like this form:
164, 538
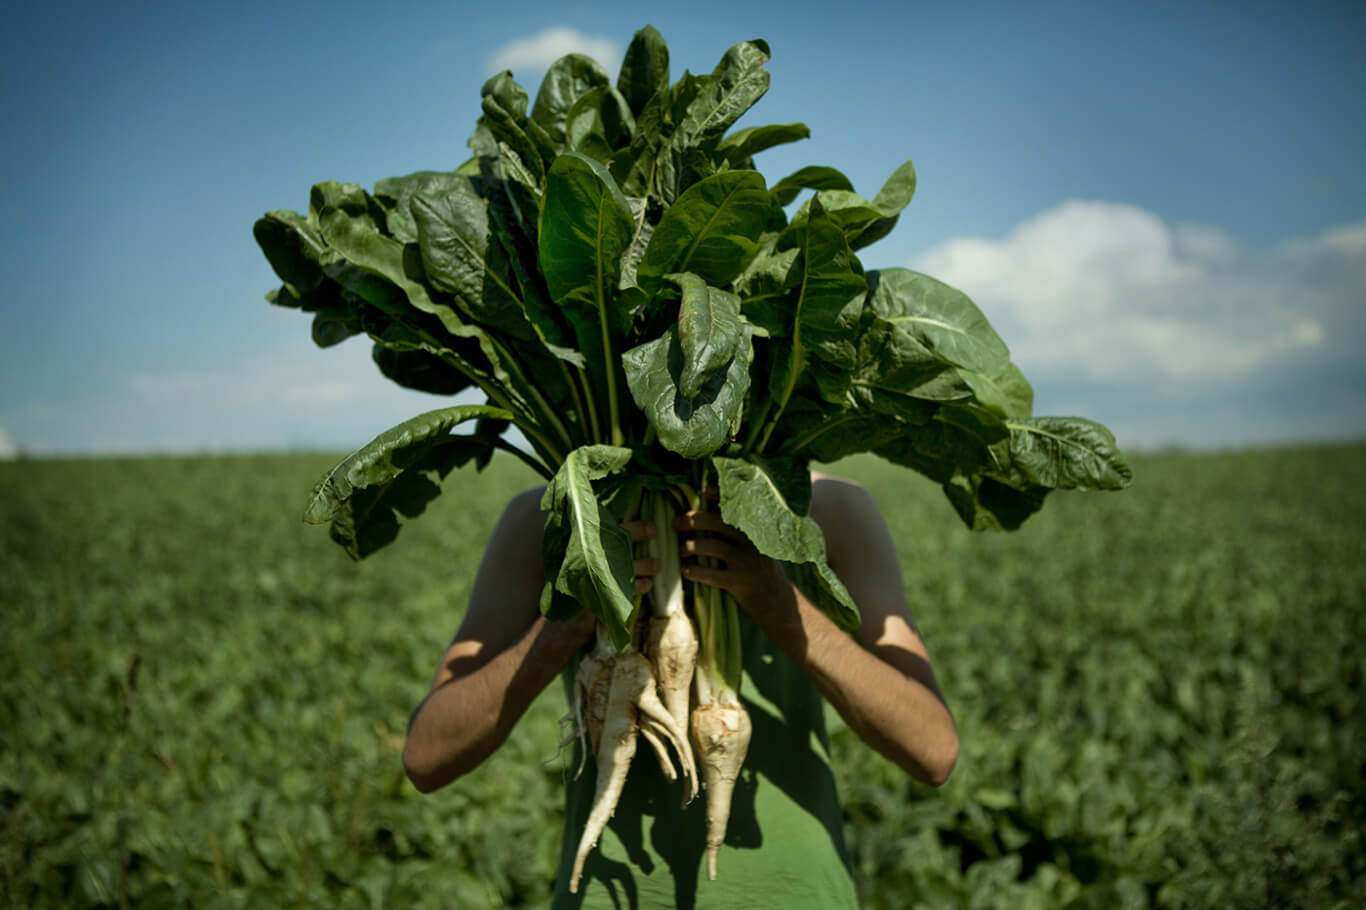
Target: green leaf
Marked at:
957, 436
1067, 453
568, 79
940, 317
897, 191
820, 585
827, 434
396, 194
712, 230
692, 426
1008, 393
293, 247
586, 553
986, 504
738, 81
812, 177
599, 124
739, 147
346, 224
417, 369
767, 501
709, 331
584, 226
644, 70
821, 313
388, 475
896, 374
459, 259
509, 128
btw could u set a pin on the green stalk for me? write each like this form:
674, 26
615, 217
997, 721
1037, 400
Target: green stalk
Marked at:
544, 410
579, 405
535, 465
520, 419
594, 426
794, 370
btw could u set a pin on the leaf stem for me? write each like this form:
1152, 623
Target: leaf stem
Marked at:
534, 464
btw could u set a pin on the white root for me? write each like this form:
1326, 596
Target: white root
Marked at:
673, 651
632, 707
721, 734
655, 717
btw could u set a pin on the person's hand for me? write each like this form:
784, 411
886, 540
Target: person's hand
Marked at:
757, 582
646, 568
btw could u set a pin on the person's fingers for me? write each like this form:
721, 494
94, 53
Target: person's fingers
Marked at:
707, 546
644, 585
645, 567
640, 530
703, 521
717, 578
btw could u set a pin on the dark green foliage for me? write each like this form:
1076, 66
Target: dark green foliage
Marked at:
1159, 695
610, 269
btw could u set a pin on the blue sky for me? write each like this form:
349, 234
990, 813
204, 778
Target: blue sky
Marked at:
1160, 206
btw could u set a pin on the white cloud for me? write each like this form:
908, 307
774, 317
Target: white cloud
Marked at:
8, 450
1110, 292
293, 397
533, 54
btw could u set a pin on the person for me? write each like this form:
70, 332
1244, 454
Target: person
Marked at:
784, 843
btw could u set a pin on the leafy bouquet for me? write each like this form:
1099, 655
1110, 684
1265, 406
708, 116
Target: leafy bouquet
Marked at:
632, 297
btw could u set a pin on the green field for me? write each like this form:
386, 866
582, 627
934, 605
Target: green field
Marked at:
1159, 694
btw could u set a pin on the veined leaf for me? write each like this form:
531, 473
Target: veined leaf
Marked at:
960, 434
712, 230
709, 331
584, 226
827, 434
739, 147
644, 69
458, 257
896, 191
767, 501
599, 124
822, 310
567, 79
985, 504
691, 426
396, 195
893, 364
940, 317
812, 177
738, 81
420, 370
510, 129
586, 553
820, 585
362, 493
1008, 393
293, 247
1067, 453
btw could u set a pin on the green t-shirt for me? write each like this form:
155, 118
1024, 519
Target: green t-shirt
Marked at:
784, 842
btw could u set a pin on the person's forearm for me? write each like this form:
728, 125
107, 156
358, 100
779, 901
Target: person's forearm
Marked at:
462, 721
895, 713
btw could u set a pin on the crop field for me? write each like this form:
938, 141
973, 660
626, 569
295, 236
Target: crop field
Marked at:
1159, 694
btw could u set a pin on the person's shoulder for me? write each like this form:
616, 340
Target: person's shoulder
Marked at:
839, 496
525, 508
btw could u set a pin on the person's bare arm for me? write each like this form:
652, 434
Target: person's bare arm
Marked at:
503, 655
880, 682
